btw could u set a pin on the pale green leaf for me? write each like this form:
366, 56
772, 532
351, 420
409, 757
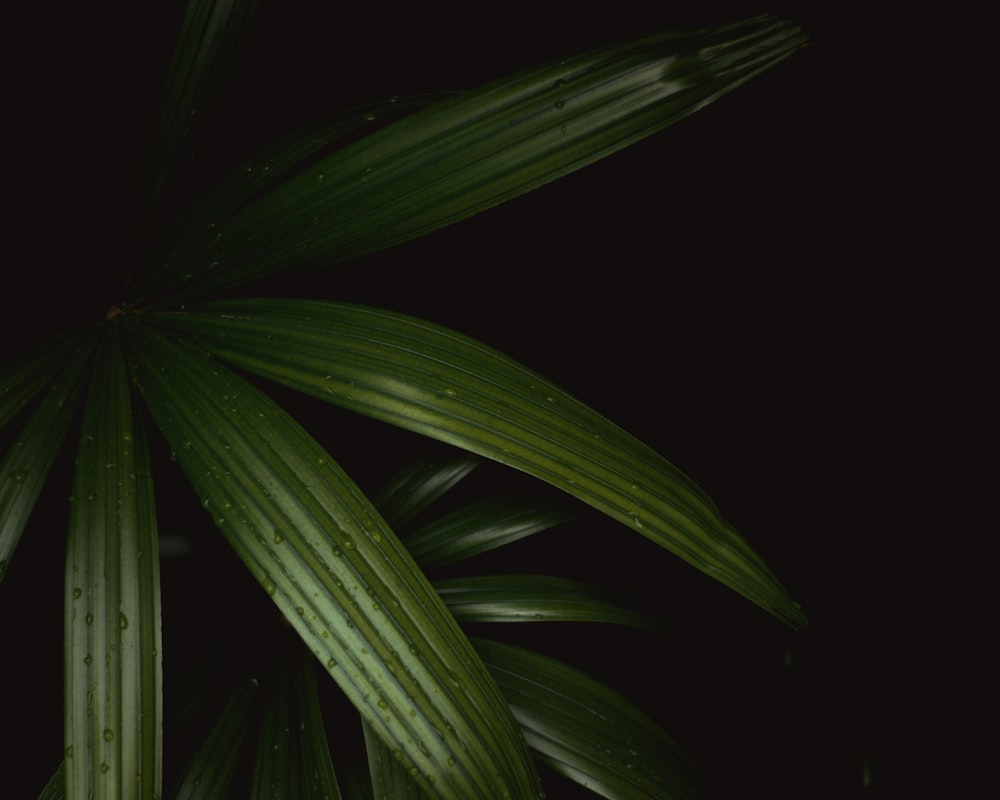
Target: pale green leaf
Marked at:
533, 598
587, 731
112, 609
55, 789
337, 573
434, 381
470, 153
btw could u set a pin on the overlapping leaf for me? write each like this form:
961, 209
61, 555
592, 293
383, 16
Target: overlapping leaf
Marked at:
587, 731
337, 573
465, 155
439, 383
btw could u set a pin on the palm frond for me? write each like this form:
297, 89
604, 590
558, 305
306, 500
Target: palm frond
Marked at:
337, 573
470, 153
112, 609
428, 379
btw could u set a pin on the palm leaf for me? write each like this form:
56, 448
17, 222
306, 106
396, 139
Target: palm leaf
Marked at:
416, 486
481, 526
428, 379
465, 155
533, 598
319, 779
210, 772
337, 573
206, 46
26, 465
112, 612
587, 731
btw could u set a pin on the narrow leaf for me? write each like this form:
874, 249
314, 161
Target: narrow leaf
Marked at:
319, 779
337, 573
389, 777
26, 465
206, 45
465, 155
428, 379
587, 731
480, 527
210, 772
112, 624
276, 769
533, 598
416, 486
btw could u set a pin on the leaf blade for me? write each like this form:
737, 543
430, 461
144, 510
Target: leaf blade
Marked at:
587, 731
337, 573
475, 151
425, 378
112, 627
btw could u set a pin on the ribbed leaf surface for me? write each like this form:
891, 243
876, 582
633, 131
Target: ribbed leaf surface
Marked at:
26, 465
416, 486
112, 606
587, 731
468, 154
338, 574
481, 526
206, 44
434, 381
318, 778
533, 598
210, 772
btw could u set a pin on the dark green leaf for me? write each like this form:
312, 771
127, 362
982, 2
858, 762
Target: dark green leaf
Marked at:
26, 465
417, 485
481, 527
587, 731
337, 573
428, 379
465, 155
533, 598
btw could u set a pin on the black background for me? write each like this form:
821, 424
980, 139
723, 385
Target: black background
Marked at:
738, 291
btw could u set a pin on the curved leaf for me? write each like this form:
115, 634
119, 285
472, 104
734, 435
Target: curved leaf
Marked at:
337, 573
587, 731
206, 44
468, 154
26, 465
533, 598
481, 526
417, 485
428, 379
112, 606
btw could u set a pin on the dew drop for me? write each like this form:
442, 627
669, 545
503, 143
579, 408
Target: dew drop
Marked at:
89, 619
278, 538
330, 663
122, 621
109, 735
104, 767
269, 586
77, 593
69, 751
19, 475
560, 103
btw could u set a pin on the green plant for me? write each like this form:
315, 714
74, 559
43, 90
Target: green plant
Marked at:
443, 713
